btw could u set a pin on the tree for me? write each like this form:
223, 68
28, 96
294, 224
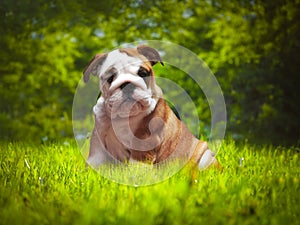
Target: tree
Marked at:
251, 46
258, 48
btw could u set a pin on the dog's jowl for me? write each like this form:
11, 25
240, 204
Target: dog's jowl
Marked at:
132, 120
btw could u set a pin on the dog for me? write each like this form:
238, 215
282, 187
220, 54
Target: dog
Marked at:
132, 120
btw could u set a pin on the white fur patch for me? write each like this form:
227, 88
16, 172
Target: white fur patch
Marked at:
122, 62
207, 159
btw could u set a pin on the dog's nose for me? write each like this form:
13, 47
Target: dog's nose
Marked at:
127, 88
124, 85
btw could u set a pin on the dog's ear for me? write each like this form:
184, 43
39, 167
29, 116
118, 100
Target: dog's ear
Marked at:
93, 65
150, 53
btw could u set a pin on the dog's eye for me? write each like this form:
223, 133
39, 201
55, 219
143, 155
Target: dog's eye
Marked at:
143, 72
111, 78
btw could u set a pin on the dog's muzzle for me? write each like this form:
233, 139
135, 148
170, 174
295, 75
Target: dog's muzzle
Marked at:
127, 89
128, 97
128, 80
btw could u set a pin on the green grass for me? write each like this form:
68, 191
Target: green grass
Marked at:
49, 184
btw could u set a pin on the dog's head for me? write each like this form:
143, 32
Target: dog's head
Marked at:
127, 82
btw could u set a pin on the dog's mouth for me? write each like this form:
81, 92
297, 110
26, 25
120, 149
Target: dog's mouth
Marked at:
128, 102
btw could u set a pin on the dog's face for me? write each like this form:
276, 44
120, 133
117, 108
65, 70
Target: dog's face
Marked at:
127, 81
127, 84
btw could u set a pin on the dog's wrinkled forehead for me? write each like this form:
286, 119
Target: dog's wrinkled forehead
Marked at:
123, 62
122, 59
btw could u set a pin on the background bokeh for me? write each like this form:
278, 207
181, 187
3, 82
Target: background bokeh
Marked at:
252, 47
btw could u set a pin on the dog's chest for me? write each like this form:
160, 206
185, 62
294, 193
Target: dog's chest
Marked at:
119, 142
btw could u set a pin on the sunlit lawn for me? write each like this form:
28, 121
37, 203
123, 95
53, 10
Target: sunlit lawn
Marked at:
50, 184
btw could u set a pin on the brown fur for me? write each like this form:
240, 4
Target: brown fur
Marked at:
91, 68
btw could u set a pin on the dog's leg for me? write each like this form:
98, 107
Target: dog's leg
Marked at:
203, 158
208, 159
97, 154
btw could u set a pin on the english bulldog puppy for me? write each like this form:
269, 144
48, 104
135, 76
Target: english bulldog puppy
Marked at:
132, 120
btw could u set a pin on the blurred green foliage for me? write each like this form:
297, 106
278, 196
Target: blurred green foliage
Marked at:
251, 46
